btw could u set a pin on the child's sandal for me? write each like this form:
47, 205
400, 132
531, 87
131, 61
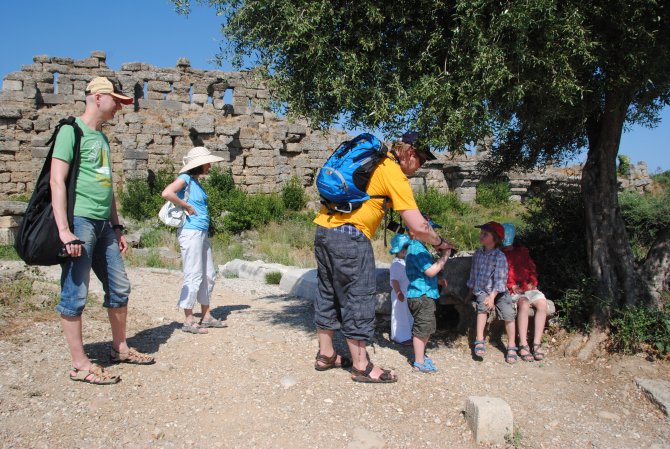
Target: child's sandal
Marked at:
479, 348
526, 356
537, 354
511, 357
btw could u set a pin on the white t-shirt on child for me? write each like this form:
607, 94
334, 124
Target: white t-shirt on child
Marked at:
401, 318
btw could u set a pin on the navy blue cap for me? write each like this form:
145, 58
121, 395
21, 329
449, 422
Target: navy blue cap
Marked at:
412, 138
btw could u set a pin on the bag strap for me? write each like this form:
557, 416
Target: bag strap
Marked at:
187, 191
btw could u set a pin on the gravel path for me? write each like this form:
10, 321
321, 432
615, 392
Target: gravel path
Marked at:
253, 385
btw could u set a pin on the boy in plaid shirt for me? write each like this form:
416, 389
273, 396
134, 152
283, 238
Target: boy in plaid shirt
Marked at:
488, 288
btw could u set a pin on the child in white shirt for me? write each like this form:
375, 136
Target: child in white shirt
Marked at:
401, 318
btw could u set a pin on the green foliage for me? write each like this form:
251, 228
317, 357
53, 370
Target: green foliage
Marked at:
293, 194
663, 179
219, 185
645, 216
624, 165
141, 199
493, 194
243, 211
432, 202
633, 328
514, 439
7, 252
273, 278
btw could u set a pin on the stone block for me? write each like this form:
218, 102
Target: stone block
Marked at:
12, 85
134, 154
57, 99
657, 391
199, 98
10, 221
183, 62
10, 113
148, 104
12, 208
99, 54
132, 66
489, 418
203, 124
159, 86
39, 152
172, 105
87, 63
41, 58
7, 235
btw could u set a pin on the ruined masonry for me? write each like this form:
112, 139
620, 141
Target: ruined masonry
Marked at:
181, 107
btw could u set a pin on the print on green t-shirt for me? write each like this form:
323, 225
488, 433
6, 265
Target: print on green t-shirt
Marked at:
93, 197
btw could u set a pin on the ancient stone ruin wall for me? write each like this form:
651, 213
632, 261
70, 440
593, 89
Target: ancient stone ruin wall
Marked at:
181, 107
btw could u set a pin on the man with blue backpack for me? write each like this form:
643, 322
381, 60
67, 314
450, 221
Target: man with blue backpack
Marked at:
357, 184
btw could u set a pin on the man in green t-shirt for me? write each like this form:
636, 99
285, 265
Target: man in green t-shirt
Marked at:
96, 240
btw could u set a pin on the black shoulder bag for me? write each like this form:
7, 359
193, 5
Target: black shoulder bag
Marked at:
37, 241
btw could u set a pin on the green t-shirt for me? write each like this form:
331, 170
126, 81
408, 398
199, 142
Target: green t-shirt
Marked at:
93, 197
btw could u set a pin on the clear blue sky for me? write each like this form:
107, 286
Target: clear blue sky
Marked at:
150, 31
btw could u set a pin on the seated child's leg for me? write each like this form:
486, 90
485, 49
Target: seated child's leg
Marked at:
522, 307
505, 311
540, 319
482, 316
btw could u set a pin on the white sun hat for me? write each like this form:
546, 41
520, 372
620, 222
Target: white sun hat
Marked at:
196, 157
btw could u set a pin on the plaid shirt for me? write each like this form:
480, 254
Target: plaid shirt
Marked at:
488, 272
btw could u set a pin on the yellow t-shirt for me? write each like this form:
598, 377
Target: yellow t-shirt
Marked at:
387, 180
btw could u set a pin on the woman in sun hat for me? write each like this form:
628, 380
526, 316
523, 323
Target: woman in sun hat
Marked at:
196, 252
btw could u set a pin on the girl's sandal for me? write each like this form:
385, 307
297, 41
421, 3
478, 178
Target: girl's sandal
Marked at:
511, 357
526, 356
537, 354
479, 348
95, 375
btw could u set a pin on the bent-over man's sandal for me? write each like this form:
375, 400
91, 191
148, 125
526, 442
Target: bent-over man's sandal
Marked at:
95, 375
133, 357
364, 376
330, 362
213, 322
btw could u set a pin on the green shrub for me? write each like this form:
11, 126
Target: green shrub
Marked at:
293, 194
632, 327
273, 278
244, 211
645, 216
663, 179
141, 199
493, 194
624, 165
7, 252
435, 203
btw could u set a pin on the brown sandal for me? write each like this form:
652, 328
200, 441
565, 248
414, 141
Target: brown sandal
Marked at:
330, 362
132, 356
364, 376
95, 375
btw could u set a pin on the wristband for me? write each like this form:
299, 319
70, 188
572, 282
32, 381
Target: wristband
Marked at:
440, 243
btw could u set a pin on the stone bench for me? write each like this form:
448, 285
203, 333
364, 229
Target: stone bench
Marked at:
11, 214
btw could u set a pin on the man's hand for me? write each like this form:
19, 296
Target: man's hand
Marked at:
443, 282
489, 302
123, 243
73, 249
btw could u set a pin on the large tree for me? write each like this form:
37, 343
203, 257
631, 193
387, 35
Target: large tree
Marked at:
545, 78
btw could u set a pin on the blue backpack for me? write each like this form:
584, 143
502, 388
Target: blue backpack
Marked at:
344, 178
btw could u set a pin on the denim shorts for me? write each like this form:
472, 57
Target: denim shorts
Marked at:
503, 305
100, 252
345, 297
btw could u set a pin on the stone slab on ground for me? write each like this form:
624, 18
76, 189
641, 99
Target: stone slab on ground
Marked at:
489, 418
254, 270
658, 392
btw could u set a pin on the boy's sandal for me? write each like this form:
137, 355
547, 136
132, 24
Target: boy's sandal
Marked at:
133, 356
95, 375
213, 322
193, 328
479, 348
527, 356
511, 357
331, 362
364, 376
425, 367
537, 354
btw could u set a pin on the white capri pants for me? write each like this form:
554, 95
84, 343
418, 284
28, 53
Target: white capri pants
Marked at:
198, 268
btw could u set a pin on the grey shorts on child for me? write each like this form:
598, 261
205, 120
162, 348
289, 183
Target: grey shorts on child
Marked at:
503, 304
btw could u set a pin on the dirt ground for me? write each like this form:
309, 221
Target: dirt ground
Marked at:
253, 385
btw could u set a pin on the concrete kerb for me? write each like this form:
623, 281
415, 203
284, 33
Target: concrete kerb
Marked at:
254, 270
657, 391
489, 418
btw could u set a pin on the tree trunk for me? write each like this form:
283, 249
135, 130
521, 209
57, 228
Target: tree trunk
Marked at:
656, 268
610, 257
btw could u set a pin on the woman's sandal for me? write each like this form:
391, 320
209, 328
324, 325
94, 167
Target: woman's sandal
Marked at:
527, 357
95, 375
425, 367
133, 357
213, 322
511, 357
479, 348
331, 362
364, 376
193, 328
537, 355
